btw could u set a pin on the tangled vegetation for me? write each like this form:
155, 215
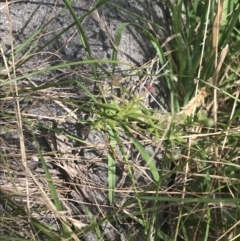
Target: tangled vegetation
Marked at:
177, 154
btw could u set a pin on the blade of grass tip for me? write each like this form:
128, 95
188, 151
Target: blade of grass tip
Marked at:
49, 178
156, 45
144, 155
154, 216
208, 223
118, 36
164, 236
185, 233
95, 226
111, 166
87, 91
153, 40
81, 32
45, 229
121, 147
52, 188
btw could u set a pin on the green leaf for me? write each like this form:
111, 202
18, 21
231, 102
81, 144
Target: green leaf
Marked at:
145, 156
111, 166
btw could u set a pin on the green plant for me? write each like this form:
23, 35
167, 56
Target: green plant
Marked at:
198, 137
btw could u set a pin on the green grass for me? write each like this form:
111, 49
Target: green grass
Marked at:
198, 138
